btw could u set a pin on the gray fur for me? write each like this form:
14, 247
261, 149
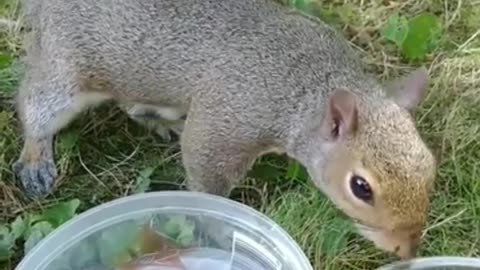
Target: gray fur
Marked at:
252, 76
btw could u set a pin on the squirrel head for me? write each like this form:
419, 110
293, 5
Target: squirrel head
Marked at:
375, 166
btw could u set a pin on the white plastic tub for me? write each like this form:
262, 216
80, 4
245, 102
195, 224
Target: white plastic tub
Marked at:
238, 237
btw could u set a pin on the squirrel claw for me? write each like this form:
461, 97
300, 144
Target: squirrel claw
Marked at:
37, 177
169, 135
164, 133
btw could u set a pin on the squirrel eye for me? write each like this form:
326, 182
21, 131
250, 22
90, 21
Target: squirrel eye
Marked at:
360, 188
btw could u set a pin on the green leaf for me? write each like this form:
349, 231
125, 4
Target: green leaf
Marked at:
173, 226
62, 212
180, 229
143, 180
396, 29
423, 36
19, 226
114, 242
37, 233
7, 242
186, 238
30, 220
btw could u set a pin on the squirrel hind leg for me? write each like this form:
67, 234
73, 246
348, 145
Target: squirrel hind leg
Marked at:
45, 107
167, 122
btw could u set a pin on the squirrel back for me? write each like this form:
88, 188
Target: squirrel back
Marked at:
126, 47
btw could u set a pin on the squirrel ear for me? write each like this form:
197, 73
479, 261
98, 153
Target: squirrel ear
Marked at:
341, 114
409, 91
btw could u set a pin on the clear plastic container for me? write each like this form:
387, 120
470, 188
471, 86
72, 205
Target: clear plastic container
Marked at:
202, 232
436, 263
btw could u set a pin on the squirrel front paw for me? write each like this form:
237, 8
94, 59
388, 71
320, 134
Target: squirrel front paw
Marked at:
170, 133
37, 177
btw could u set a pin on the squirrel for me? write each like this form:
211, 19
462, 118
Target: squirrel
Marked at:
236, 79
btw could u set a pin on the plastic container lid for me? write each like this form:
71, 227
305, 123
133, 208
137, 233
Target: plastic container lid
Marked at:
435, 263
221, 234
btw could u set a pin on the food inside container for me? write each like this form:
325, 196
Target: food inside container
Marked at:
172, 230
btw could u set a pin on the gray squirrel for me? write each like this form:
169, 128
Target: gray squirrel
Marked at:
235, 79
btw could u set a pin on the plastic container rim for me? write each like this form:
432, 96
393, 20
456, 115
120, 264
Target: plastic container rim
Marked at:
202, 202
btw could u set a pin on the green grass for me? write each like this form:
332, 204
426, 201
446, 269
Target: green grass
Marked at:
106, 152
